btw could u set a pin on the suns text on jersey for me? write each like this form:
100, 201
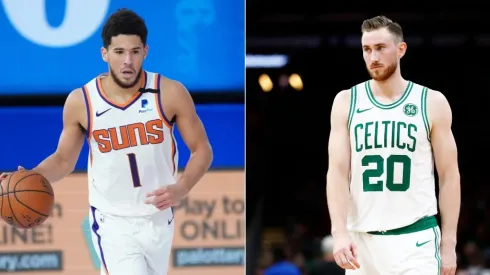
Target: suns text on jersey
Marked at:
385, 134
131, 135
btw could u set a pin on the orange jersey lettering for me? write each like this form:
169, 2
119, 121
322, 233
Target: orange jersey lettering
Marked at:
122, 137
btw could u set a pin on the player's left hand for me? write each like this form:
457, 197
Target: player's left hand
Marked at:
6, 174
448, 258
167, 196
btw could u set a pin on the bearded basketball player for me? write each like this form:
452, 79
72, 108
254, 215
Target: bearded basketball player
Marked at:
385, 134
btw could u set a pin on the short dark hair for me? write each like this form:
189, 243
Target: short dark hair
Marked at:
380, 22
125, 22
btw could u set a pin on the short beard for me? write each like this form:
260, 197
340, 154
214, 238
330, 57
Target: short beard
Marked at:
383, 73
124, 85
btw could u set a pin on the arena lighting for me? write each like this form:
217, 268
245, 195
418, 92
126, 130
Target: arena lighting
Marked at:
296, 82
265, 83
266, 61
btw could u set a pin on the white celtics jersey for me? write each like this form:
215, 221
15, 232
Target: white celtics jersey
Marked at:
392, 176
132, 149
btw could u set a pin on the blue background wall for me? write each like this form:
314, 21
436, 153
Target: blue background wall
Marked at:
29, 134
198, 42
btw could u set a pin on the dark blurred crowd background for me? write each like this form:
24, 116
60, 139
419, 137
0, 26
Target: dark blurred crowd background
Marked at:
299, 56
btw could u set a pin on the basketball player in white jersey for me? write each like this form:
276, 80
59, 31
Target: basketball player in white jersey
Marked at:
128, 117
384, 136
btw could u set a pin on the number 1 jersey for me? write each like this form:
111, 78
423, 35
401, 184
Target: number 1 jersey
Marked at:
392, 175
132, 148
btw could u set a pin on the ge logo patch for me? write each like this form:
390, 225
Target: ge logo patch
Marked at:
410, 109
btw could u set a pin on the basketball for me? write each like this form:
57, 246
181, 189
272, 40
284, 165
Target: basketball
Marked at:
27, 199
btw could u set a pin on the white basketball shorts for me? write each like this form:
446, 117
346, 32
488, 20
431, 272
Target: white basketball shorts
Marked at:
414, 253
133, 245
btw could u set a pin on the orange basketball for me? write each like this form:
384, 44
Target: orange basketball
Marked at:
27, 199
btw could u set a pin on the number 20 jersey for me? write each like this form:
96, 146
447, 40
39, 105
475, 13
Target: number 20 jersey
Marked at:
392, 175
132, 149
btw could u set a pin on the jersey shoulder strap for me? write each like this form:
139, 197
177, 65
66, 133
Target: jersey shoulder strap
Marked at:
357, 101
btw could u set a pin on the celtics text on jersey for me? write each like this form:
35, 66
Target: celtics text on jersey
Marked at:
392, 175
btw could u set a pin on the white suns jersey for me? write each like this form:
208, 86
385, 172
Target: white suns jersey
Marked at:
132, 149
392, 175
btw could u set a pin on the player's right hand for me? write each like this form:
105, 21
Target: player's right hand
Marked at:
6, 174
345, 252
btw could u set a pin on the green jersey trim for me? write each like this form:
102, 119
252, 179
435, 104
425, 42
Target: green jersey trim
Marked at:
437, 253
422, 224
352, 108
391, 105
425, 117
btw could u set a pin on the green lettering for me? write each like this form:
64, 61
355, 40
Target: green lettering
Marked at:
356, 136
386, 123
402, 135
372, 173
399, 143
378, 171
376, 144
393, 134
412, 129
367, 134
390, 170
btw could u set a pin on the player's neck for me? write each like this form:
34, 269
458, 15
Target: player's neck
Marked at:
391, 87
111, 87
